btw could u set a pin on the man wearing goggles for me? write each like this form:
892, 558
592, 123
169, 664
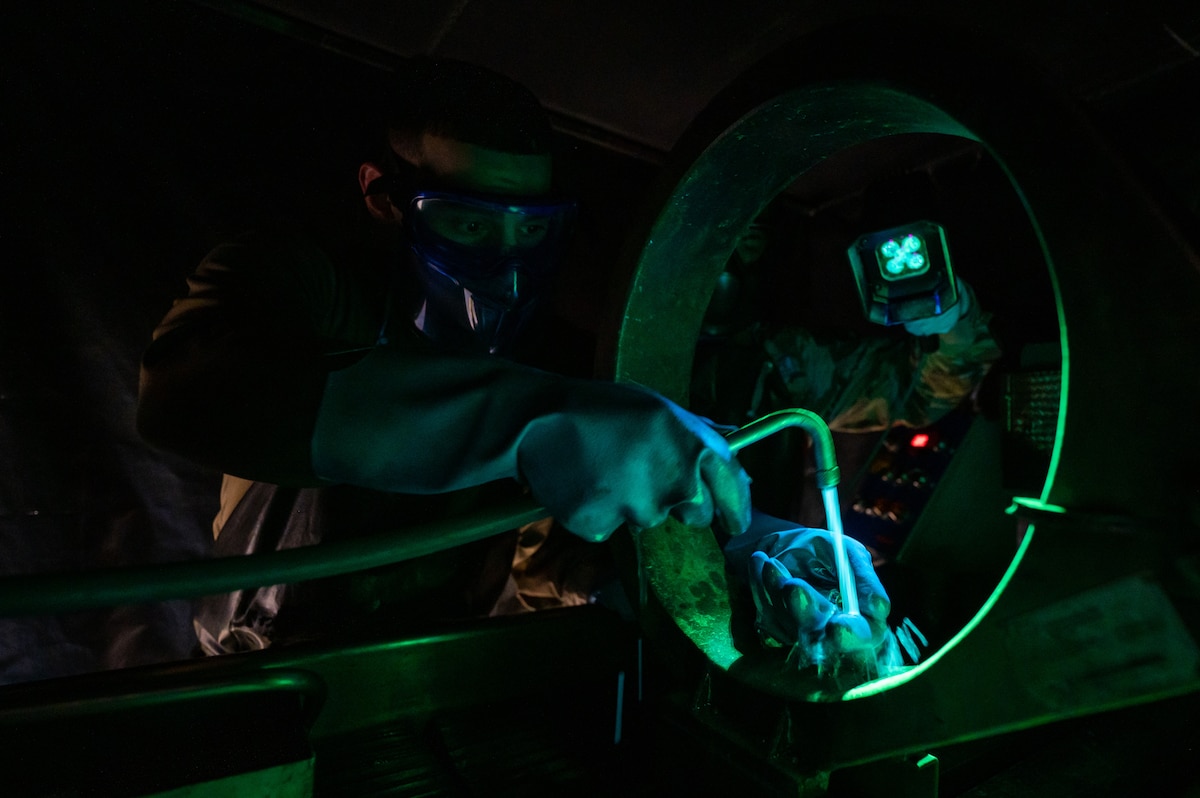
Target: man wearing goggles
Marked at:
330, 392
331, 389
482, 260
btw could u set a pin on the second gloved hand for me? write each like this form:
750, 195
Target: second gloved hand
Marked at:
794, 583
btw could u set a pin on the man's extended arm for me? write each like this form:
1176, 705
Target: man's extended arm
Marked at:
287, 384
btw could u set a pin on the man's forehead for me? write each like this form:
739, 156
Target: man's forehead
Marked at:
475, 168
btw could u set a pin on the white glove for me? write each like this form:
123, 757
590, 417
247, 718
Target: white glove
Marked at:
793, 579
794, 582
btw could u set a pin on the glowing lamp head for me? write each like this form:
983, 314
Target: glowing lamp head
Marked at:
903, 273
903, 258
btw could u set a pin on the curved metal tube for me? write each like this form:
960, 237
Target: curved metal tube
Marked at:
29, 703
828, 474
49, 594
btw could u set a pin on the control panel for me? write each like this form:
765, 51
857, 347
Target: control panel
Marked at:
899, 480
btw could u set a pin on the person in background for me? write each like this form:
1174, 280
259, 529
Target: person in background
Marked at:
746, 367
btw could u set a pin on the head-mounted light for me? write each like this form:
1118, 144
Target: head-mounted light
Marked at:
904, 273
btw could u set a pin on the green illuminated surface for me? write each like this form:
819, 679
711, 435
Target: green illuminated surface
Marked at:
291, 780
686, 569
1035, 504
1052, 271
887, 683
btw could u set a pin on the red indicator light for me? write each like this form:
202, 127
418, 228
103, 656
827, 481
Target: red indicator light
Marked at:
919, 441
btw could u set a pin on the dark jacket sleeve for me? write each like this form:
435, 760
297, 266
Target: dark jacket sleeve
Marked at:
272, 369
235, 372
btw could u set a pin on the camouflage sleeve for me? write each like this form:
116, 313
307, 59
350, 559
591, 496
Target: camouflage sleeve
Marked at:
954, 370
863, 385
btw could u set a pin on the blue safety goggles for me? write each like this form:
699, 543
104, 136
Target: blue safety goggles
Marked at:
475, 237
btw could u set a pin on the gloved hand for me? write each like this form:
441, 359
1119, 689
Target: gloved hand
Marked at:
621, 454
794, 583
596, 454
940, 325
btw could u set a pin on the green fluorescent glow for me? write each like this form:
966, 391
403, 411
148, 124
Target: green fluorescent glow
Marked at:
1062, 335
1035, 504
1066, 372
720, 650
888, 682
904, 258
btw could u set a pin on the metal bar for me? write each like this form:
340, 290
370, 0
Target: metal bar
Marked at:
40, 701
49, 594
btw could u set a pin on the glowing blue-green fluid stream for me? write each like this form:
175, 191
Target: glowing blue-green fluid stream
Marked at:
846, 581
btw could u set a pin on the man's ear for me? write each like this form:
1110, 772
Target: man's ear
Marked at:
378, 205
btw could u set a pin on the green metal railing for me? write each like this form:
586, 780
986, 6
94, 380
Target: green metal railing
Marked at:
49, 594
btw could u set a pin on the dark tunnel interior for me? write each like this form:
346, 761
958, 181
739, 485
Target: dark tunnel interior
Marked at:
142, 134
